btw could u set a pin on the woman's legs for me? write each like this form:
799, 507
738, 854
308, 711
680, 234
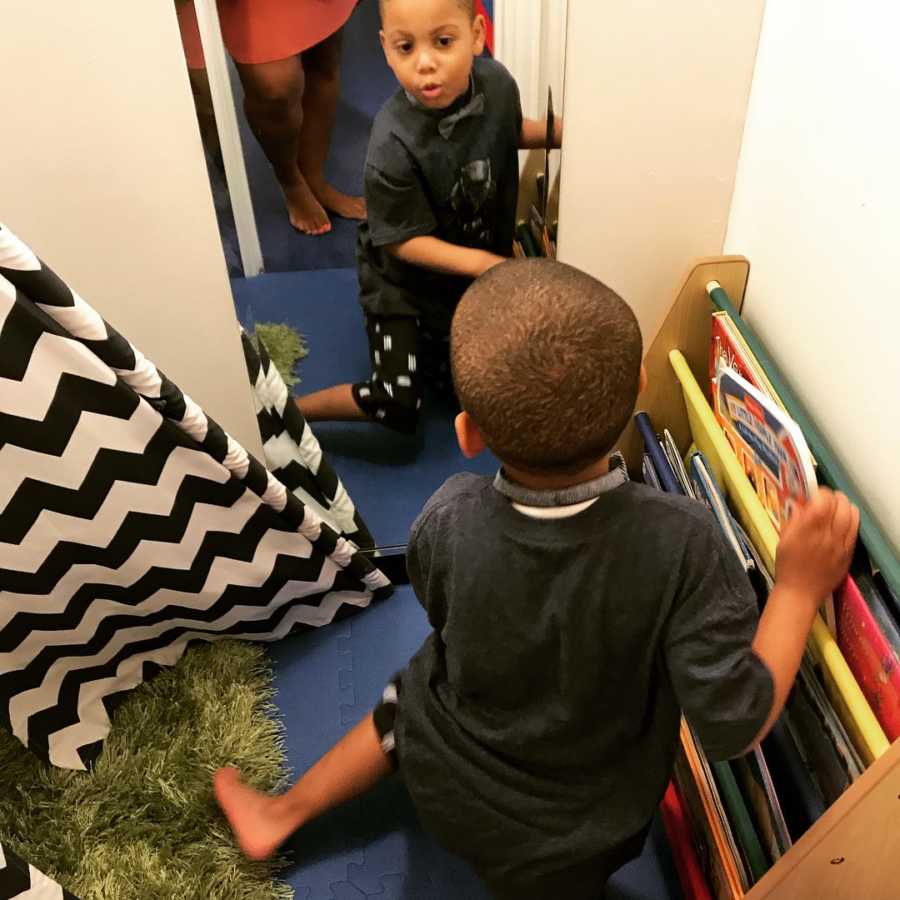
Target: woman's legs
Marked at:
273, 94
322, 66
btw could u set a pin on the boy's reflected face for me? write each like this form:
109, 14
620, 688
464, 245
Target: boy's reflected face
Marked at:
430, 46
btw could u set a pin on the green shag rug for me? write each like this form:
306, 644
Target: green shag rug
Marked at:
285, 346
145, 822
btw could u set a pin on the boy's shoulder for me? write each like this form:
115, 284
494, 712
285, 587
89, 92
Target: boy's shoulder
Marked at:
660, 511
456, 492
488, 71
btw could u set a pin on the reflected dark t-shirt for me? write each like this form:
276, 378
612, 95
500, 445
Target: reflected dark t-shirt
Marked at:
462, 189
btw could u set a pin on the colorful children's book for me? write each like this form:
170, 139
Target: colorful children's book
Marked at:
872, 659
768, 444
728, 348
719, 856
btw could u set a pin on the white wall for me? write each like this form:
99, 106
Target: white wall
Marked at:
656, 96
102, 172
817, 211
530, 40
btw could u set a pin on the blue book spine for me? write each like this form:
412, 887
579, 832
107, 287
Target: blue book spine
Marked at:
651, 444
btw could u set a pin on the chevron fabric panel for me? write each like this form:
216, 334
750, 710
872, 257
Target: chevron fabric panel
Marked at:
23, 882
292, 452
130, 524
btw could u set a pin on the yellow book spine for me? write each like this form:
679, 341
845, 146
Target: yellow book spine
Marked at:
849, 702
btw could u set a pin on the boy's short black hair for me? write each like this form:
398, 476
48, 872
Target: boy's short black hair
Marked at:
467, 5
546, 360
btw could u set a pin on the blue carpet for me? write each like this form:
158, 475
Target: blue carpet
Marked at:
327, 680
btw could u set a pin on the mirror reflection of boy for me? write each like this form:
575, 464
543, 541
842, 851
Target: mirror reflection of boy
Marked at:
441, 185
576, 614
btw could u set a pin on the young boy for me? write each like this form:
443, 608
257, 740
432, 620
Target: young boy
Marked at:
576, 614
441, 185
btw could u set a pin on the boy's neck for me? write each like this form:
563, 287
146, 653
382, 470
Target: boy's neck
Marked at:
551, 481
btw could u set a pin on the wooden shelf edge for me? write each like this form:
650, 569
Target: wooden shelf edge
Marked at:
686, 328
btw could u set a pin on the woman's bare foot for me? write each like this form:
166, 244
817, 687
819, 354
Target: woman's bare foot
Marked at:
260, 822
336, 201
304, 210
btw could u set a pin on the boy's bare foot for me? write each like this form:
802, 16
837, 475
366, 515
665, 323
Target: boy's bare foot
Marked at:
260, 822
339, 203
304, 210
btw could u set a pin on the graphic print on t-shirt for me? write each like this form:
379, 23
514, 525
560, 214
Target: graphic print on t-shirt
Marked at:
473, 195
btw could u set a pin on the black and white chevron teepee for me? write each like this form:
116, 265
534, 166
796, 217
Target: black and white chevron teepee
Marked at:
21, 881
130, 523
292, 452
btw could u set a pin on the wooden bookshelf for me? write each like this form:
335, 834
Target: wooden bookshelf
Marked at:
853, 851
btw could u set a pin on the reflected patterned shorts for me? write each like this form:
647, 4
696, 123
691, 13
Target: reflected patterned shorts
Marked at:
405, 356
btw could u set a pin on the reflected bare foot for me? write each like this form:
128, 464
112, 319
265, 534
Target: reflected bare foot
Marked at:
304, 210
339, 203
260, 822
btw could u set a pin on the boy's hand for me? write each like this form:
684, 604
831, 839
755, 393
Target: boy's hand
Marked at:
816, 545
441, 256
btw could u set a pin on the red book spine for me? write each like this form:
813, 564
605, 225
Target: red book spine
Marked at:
870, 656
678, 832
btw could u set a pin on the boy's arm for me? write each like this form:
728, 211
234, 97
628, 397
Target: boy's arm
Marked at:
534, 134
731, 670
813, 556
442, 256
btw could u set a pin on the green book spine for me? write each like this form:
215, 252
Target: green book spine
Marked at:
744, 832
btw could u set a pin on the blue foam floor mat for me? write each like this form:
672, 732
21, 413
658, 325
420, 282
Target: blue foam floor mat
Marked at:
329, 679
374, 847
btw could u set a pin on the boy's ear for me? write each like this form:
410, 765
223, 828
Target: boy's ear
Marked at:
383, 40
480, 30
642, 384
468, 436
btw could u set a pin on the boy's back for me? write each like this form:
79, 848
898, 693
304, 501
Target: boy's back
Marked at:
563, 649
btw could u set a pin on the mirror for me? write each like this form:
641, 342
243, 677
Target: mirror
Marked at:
306, 80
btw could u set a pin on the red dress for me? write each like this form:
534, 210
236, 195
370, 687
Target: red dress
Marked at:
259, 31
